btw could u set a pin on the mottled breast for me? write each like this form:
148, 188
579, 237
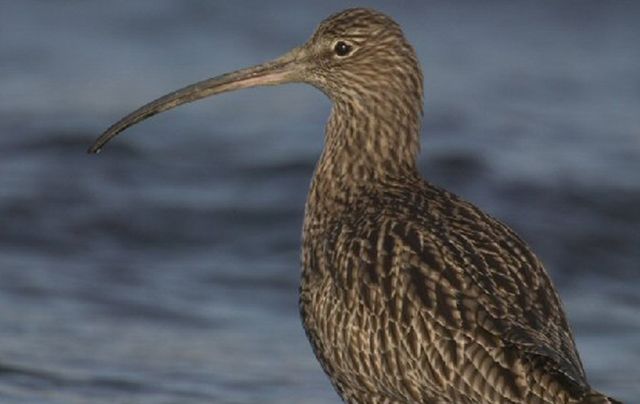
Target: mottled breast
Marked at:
411, 293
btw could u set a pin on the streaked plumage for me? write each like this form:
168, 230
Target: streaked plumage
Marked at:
408, 294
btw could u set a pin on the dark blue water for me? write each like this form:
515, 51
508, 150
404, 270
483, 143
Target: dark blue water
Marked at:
165, 270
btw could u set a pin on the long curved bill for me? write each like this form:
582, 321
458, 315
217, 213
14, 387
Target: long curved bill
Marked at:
278, 71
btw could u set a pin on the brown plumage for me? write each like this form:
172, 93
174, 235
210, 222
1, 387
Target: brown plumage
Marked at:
409, 294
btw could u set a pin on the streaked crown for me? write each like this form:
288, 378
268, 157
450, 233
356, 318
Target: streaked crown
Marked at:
362, 53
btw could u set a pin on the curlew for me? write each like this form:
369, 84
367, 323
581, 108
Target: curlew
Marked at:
408, 293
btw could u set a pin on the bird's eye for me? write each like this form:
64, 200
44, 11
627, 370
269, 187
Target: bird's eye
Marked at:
342, 48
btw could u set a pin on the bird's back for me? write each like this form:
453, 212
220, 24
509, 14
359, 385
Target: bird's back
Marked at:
410, 294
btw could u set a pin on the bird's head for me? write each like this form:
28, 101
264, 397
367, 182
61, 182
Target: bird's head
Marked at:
359, 56
360, 53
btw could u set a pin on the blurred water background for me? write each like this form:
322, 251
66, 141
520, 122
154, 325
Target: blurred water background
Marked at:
165, 270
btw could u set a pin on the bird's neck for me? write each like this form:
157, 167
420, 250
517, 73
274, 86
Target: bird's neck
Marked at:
367, 144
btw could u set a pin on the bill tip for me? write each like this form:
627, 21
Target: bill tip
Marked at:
94, 150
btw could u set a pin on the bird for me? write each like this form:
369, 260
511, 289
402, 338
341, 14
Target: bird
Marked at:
408, 293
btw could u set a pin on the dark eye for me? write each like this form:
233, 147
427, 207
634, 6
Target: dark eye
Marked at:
342, 48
